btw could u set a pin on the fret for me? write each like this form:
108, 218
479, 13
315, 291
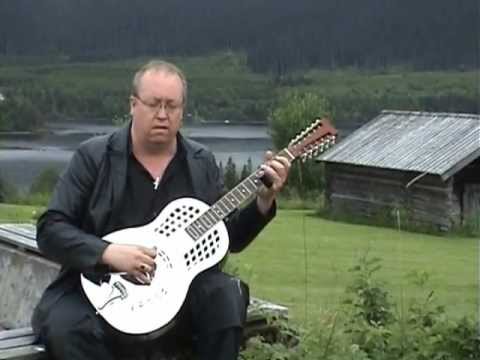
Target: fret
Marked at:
205, 221
256, 181
224, 210
238, 194
199, 229
250, 184
286, 153
218, 216
233, 200
203, 226
244, 190
224, 203
192, 231
228, 203
211, 216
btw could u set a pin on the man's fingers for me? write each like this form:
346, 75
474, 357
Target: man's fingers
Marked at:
276, 170
285, 162
146, 260
278, 167
145, 268
268, 156
142, 277
152, 252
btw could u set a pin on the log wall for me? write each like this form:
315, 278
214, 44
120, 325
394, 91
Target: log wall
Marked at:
381, 194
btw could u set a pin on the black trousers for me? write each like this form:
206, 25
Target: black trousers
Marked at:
210, 323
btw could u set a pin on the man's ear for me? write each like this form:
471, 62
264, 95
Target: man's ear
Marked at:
133, 103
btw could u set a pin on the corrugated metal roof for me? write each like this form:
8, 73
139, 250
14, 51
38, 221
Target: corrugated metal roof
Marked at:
435, 143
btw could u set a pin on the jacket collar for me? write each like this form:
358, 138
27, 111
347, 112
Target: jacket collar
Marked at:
119, 153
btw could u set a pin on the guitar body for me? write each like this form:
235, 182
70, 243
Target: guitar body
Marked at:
140, 309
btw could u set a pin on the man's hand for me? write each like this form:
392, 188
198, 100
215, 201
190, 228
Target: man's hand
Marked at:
275, 169
135, 260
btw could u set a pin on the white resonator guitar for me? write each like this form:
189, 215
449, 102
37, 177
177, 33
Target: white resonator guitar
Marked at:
190, 237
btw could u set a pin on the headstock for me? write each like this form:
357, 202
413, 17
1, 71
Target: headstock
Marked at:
312, 141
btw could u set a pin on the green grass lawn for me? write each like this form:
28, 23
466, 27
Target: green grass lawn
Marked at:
18, 213
300, 256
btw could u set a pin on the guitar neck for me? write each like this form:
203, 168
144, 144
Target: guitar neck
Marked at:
230, 202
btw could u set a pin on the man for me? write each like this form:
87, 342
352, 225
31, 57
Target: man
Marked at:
124, 180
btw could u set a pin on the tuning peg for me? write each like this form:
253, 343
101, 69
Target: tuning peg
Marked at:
294, 141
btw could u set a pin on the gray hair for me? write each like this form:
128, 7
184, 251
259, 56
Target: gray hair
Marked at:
161, 66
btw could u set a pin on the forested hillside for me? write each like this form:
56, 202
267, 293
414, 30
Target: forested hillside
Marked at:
276, 35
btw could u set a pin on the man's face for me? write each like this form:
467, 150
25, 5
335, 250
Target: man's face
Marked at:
157, 109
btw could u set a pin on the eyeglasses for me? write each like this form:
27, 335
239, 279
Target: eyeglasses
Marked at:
155, 107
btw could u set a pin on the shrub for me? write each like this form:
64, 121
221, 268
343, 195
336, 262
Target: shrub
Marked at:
45, 182
294, 112
371, 330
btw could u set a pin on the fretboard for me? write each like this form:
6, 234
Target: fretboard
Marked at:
230, 202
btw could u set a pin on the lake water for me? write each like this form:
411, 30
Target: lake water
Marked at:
23, 157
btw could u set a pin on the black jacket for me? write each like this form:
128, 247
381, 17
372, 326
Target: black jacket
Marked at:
89, 193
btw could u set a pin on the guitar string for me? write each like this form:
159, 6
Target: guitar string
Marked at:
305, 261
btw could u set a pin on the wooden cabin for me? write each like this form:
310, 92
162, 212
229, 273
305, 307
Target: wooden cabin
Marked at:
415, 169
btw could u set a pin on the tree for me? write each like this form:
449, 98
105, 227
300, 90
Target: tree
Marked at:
19, 113
231, 178
247, 169
295, 111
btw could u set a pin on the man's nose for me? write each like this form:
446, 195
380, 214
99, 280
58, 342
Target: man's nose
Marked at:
162, 111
